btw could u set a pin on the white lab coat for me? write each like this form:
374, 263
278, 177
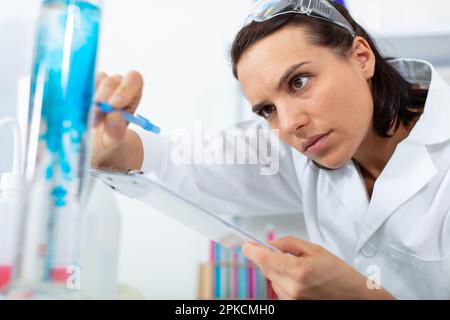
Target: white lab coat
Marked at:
401, 237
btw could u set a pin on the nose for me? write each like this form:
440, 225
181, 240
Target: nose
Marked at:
291, 119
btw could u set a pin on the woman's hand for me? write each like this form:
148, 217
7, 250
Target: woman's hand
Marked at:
310, 272
110, 130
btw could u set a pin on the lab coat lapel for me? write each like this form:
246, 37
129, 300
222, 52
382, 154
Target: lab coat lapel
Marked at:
408, 171
348, 185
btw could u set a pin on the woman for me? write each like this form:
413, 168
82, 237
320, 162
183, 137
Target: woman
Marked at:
367, 155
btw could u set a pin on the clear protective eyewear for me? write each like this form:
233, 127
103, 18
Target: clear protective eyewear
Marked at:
267, 9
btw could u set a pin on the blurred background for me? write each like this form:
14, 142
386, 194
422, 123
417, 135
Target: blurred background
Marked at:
181, 48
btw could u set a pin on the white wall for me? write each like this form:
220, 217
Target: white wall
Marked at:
181, 48
403, 28
402, 17
16, 34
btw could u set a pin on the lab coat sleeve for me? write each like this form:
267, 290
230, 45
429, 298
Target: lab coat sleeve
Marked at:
196, 165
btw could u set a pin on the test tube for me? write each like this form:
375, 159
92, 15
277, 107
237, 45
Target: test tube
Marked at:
271, 295
218, 286
235, 280
243, 292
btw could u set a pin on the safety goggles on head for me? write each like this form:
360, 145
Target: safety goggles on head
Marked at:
322, 9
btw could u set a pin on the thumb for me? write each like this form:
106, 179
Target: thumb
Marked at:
294, 246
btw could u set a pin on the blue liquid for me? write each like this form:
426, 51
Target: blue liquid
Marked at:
63, 80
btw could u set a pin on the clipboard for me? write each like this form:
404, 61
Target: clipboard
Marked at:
164, 199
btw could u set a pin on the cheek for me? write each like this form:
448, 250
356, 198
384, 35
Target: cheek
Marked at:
357, 119
353, 130
346, 103
287, 138
350, 117
274, 124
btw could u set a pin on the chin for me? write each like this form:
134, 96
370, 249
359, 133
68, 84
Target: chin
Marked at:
331, 161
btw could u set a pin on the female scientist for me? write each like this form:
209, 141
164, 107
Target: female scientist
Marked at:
366, 145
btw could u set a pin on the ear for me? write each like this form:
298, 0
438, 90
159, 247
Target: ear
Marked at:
363, 57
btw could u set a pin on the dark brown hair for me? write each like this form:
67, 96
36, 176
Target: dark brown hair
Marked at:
395, 99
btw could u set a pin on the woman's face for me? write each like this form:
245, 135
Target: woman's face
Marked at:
317, 101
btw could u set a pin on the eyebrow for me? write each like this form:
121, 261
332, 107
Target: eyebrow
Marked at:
257, 107
289, 72
282, 80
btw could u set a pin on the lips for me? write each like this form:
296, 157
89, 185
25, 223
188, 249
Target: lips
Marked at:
312, 140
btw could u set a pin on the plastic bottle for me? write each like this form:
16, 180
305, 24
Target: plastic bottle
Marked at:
9, 223
10, 189
101, 242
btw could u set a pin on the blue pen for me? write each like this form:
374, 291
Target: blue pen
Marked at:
137, 120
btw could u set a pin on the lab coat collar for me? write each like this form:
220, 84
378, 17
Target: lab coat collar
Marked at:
408, 171
411, 166
432, 127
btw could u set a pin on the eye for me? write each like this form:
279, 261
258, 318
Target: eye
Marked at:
299, 82
266, 111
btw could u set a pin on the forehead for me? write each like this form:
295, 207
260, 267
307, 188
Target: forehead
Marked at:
279, 50
264, 63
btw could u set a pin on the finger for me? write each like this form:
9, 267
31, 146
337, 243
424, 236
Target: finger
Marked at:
114, 121
286, 286
282, 284
100, 77
294, 246
128, 94
270, 262
99, 117
106, 87
115, 125
281, 293
285, 271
